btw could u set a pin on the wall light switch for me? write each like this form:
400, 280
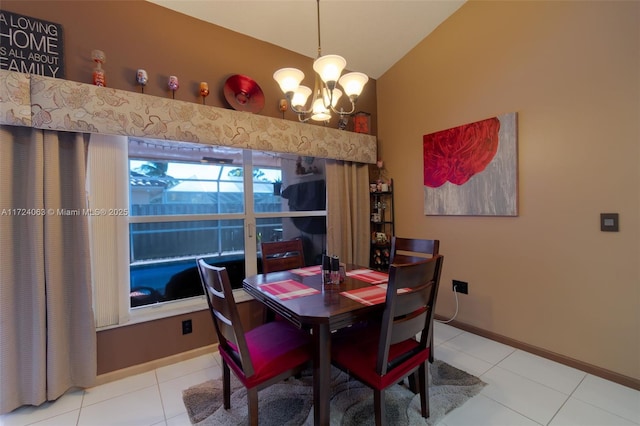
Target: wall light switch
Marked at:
609, 222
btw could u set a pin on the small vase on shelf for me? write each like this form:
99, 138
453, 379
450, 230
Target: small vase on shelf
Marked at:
204, 90
142, 79
174, 85
99, 58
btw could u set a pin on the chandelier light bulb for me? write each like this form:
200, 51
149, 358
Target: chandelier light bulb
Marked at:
288, 78
336, 94
329, 67
320, 113
353, 83
300, 96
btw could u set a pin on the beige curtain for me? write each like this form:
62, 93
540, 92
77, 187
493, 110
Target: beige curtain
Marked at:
47, 331
348, 211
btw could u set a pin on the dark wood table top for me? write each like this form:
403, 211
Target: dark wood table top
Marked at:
327, 306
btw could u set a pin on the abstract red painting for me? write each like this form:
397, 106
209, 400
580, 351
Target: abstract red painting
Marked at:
472, 169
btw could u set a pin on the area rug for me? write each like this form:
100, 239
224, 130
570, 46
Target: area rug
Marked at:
291, 401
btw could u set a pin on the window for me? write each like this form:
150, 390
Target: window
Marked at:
188, 201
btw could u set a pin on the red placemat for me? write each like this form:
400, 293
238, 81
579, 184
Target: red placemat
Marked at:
307, 271
288, 289
369, 276
370, 295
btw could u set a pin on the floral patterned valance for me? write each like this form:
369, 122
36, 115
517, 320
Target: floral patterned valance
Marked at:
15, 99
50, 103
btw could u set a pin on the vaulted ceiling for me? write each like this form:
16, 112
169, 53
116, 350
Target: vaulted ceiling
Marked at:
370, 35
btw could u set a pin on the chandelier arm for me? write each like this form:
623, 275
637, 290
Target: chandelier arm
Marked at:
303, 118
329, 91
324, 86
300, 111
342, 112
318, 87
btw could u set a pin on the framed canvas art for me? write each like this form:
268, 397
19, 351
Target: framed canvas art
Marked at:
472, 170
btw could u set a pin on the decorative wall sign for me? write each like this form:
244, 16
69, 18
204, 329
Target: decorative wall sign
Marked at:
472, 169
31, 46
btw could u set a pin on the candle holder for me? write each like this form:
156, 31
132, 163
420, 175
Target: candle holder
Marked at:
99, 58
173, 85
142, 78
283, 106
204, 90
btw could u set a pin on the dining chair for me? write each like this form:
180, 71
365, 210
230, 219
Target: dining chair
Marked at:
282, 255
259, 357
380, 356
407, 250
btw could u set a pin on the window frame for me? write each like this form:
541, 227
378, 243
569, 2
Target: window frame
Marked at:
249, 218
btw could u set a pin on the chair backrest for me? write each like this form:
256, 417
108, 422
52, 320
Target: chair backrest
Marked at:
409, 250
224, 312
282, 255
409, 309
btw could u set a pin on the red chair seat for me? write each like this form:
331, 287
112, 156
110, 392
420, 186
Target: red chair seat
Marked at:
260, 357
360, 359
274, 347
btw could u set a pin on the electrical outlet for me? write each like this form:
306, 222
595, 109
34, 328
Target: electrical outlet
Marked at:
187, 327
460, 287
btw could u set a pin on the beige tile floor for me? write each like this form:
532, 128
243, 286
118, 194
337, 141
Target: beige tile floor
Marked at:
523, 389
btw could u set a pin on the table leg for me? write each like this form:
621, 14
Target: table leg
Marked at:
321, 373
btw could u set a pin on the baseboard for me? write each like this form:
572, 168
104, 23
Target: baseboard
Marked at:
152, 365
570, 362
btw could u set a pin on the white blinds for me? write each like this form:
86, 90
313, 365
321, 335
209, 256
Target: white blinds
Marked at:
108, 162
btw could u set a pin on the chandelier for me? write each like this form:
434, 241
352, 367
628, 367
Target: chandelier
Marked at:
325, 92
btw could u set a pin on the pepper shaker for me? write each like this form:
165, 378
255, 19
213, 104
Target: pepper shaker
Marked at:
335, 270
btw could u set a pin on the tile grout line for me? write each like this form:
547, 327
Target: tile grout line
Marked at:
500, 403
511, 409
84, 393
566, 400
164, 413
484, 360
489, 384
540, 383
596, 406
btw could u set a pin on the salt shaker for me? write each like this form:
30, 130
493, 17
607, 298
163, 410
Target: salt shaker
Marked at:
326, 269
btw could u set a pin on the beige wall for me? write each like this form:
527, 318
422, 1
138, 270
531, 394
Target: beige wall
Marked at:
138, 34
549, 277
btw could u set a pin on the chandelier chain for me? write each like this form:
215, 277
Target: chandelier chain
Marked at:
318, 17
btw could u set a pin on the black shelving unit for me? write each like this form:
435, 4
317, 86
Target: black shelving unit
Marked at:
382, 228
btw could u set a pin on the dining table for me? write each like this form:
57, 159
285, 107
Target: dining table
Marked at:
300, 296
